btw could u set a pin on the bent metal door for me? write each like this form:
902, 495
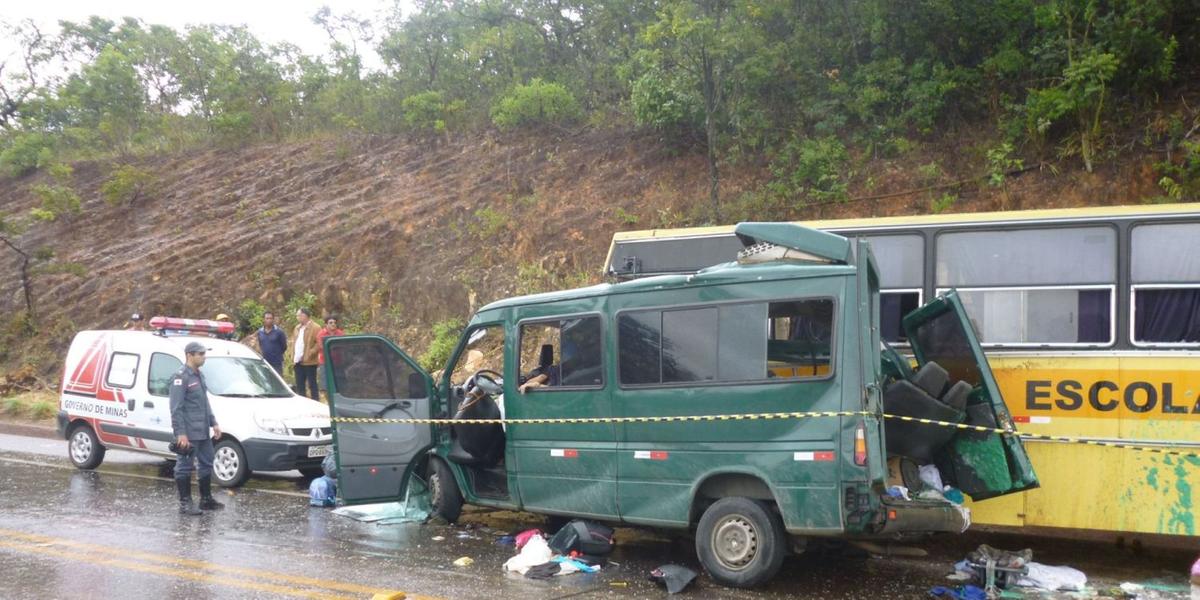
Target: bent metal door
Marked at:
370, 378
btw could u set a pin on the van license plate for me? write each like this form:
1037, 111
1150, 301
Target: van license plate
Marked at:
318, 451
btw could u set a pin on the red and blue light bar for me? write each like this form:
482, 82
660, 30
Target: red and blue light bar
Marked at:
168, 325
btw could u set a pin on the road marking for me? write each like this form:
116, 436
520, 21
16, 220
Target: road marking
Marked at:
38, 543
35, 463
169, 572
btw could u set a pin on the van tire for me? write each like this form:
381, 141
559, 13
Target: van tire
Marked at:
230, 467
84, 448
444, 494
741, 542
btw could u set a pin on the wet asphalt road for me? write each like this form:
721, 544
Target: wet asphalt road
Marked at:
114, 533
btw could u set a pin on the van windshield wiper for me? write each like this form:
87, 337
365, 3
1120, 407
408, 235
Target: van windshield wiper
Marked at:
238, 395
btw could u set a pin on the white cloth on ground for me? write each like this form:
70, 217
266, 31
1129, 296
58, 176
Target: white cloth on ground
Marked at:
1053, 578
535, 552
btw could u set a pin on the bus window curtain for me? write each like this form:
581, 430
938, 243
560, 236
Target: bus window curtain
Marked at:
1167, 316
1094, 321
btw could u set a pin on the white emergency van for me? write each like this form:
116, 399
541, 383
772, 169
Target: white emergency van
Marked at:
114, 395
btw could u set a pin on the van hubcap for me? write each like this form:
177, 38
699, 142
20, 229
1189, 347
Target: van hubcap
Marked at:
225, 463
81, 446
735, 542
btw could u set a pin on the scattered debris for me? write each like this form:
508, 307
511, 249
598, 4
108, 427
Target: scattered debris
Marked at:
585, 537
1046, 577
1196, 572
535, 552
438, 538
465, 561
965, 592
414, 509
322, 492
675, 577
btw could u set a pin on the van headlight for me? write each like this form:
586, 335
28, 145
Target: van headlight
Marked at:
271, 426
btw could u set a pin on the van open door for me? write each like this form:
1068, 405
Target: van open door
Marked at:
982, 465
368, 377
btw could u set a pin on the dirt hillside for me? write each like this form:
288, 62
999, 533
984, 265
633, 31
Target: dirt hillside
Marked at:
396, 234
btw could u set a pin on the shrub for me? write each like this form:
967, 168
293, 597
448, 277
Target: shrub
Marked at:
538, 103
445, 338
429, 112
249, 315
42, 410
664, 103
58, 199
811, 167
13, 406
126, 185
26, 153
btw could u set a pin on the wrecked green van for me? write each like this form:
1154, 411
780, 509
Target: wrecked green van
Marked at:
577, 392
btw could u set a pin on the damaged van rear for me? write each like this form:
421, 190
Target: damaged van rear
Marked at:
751, 403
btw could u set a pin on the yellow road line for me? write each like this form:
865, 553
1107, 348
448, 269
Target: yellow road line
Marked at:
200, 564
170, 572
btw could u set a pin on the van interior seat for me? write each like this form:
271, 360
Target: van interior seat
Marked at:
956, 397
913, 398
932, 378
477, 445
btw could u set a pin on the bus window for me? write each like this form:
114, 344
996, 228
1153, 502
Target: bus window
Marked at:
730, 342
1165, 269
901, 260
1034, 286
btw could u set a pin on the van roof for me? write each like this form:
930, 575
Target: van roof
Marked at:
730, 272
150, 339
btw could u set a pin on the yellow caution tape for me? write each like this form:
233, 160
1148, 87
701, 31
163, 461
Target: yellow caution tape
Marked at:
764, 417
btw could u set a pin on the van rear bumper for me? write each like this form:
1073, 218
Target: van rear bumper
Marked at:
273, 455
923, 517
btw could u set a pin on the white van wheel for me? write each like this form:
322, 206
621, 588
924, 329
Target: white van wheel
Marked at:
741, 542
84, 448
230, 467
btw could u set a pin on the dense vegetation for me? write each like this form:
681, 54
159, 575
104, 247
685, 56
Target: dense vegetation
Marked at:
791, 83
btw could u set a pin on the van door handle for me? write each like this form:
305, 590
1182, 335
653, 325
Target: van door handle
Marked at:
148, 404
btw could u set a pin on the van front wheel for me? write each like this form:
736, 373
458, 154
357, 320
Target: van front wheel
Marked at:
230, 467
741, 542
444, 494
84, 447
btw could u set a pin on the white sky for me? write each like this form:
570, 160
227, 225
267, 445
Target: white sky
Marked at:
271, 21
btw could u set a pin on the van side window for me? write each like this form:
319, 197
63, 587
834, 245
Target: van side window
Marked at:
162, 367
367, 369
726, 343
122, 371
567, 351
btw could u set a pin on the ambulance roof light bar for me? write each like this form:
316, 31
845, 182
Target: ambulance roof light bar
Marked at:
179, 326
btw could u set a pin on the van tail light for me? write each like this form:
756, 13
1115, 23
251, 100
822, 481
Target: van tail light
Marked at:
860, 445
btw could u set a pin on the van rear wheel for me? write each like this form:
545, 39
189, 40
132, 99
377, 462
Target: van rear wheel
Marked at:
741, 542
444, 494
84, 448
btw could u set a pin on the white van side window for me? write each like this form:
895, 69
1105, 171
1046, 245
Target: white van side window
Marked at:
122, 372
162, 367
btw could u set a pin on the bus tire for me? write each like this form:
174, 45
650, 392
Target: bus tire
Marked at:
445, 497
741, 542
84, 448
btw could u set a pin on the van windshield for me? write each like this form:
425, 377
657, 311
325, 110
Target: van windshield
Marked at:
242, 378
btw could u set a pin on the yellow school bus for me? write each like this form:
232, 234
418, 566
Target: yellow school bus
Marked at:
1091, 322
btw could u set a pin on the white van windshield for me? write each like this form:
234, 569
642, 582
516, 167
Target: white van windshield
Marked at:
242, 378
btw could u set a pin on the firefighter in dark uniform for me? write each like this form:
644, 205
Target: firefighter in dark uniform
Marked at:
191, 418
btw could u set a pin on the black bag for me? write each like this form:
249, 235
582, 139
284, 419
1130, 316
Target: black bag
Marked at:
584, 537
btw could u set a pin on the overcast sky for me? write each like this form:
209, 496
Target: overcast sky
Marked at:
271, 20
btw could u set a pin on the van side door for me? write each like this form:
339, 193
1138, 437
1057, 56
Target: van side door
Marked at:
563, 468
869, 344
370, 380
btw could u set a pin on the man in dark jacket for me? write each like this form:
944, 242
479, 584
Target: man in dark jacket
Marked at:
191, 418
272, 342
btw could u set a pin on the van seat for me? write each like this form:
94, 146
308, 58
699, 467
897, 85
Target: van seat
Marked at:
932, 378
917, 441
956, 397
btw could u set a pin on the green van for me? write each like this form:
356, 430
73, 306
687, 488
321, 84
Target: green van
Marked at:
574, 388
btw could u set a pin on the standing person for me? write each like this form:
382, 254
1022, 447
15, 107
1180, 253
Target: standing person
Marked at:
304, 355
272, 342
136, 323
330, 328
191, 418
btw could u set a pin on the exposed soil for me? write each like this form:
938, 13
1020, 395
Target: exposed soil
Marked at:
396, 233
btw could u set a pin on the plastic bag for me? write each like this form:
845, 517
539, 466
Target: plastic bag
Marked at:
322, 492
